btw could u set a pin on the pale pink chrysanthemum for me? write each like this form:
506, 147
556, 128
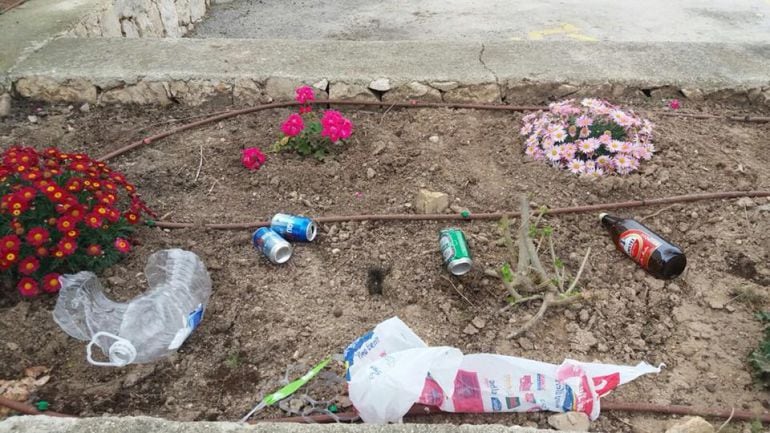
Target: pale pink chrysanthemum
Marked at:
605, 139
624, 164
584, 121
586, 147
584, 132
598, 172
526, 129
568, 150
558, 135
614, 146
626, 147
590, 165
641, 152
604, 161
531, 141
576, 166
534, 152
554, 153
548, 143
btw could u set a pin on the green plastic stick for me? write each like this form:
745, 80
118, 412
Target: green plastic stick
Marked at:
288, 390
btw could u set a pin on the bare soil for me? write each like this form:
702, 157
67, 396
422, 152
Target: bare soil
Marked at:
264, 319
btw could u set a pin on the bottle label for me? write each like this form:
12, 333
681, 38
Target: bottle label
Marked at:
192, 321
638, 245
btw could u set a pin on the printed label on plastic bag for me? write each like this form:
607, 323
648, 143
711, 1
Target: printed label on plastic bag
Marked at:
390, 369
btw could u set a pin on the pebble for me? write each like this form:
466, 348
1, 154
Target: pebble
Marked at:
470, 330
370, 173
584, 316
570, 421
433, 138
296, 404
337, 312
379, 148
5, 105
12, 346
85, 108
746, 202
116, 281
335, 251
32, 118
526, 344
692, 424
478, 322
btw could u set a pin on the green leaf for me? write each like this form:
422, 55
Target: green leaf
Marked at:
506, 273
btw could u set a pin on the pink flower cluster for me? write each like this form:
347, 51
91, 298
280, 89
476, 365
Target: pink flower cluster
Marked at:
293, 125
593, 138
303, 95
335, 126
252, 158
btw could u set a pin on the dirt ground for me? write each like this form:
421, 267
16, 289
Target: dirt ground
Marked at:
263, 319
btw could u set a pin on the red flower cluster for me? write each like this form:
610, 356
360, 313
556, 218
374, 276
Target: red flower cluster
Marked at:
61, 212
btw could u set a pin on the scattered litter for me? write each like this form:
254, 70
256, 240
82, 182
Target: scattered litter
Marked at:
454, 250
390, 369
287, 390
294, 228
272, 245
152, 325
657, 256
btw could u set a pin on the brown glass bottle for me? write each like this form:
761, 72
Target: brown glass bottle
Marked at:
659, 257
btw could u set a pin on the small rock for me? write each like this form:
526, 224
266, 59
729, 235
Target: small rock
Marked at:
746, 202
433, 139
12, 346
32, 118
570, 421
584, 316
710, 387
526, 344
296, 404
470, 330
602, 348
337, 312
427, 202
5, 105
321, 85
764, 208
379, 148
456, 208
380, 85
479, 322
85, 108
692, 424
275, 180
370, 173
444, 86
116, 281
335, 251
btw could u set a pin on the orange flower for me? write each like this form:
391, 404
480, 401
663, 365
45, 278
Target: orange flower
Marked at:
94, 250
67, 246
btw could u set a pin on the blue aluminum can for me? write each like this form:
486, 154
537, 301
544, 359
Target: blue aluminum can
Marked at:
272, 245
294, 228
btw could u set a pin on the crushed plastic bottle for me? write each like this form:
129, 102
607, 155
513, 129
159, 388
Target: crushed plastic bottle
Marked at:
146, 328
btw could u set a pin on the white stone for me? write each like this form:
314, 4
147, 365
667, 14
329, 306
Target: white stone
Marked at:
346, 91
248, 92
183, 11
413, 90
5, 105
370, 173
479, 322
321, 85
109, 23
380, 85
434, 139
428, 202
75, 90
746, 202
570, 421
129, 29
280, 89
444, 86
488, 93
694, 424
169, 18
470, 330
197, 9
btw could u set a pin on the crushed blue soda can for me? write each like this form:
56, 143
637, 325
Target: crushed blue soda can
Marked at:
294, 228
272, 245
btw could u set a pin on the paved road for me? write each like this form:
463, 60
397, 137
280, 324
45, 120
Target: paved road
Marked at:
473, 20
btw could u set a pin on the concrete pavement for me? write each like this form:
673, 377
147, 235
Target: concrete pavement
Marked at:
43, 424
722, 21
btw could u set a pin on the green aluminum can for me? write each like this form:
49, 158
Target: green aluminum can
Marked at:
454, 250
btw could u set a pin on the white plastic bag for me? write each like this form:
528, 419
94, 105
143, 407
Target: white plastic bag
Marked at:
391, 368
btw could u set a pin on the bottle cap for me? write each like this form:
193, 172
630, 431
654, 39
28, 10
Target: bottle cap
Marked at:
602, 215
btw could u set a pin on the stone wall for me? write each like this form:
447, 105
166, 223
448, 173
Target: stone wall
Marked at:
142, 19
246, 91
